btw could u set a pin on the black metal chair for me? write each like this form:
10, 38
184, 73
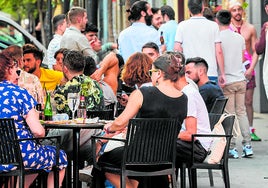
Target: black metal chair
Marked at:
10, 153
223, 164
107, 113
219, 105
150, 142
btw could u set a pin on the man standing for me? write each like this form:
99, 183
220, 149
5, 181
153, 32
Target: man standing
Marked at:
135, 36
59, 25
199, 37
233, 46
72, 38
196, 68
168, 27
250, 59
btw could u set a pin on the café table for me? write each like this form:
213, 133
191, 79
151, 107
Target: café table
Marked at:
76, 127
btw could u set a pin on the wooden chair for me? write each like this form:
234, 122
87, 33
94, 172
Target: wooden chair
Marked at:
10, 154
223, 164
219, 105
150, 142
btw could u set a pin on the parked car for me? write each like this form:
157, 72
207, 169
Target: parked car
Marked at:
11, 33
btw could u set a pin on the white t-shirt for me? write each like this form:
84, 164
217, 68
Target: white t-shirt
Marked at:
233, 45
197, 108
198, 37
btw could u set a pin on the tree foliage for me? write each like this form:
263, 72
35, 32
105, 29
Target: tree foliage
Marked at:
19, 9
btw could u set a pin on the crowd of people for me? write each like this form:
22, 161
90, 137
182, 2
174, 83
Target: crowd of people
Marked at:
180, 76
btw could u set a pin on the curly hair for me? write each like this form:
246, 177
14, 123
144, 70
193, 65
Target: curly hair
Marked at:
136, 69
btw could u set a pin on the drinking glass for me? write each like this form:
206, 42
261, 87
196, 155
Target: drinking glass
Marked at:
73, 102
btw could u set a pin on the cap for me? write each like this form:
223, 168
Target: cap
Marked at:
233, 3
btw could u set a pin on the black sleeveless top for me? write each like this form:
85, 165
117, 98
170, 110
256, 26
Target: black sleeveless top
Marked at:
158, 105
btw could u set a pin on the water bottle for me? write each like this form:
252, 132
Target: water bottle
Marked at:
48, 112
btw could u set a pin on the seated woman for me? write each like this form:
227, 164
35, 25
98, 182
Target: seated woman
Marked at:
168, 99
18, 104
135, 74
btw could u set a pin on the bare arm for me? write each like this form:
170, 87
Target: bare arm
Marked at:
255, 56
178, 47
191, 128
32, 119
220, 62
260, 44
134, 104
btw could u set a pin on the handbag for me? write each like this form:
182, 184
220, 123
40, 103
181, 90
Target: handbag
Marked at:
184, 151
218, 144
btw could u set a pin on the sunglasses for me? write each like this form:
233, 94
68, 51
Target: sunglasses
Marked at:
152, 70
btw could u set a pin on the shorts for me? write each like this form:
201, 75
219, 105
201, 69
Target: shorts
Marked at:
251, 84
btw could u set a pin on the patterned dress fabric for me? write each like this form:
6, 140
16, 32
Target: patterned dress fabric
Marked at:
16, 102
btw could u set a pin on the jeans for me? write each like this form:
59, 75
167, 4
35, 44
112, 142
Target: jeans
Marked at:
236, 105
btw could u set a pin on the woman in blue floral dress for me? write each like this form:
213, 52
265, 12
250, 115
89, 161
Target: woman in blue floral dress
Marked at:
17, 103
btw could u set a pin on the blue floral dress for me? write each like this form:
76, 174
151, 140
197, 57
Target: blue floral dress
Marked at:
16, 102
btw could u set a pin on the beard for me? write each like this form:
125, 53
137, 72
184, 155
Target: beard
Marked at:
30, 70
148, 19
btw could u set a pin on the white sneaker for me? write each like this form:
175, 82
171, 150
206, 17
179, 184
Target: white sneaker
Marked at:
85, 174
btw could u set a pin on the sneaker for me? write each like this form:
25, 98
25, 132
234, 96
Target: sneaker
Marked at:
85, 174
247, 151
254, 137
233, 153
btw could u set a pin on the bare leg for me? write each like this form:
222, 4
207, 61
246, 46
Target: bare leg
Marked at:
50, 179
115, 180
29, 180
249, 105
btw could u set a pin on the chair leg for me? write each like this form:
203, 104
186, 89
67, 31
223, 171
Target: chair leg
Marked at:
173, 178
182, 175
226, 178
193, 178
210, 174
123, 180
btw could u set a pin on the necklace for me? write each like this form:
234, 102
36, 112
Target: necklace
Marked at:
238, 28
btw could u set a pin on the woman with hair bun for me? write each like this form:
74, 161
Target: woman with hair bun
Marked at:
168, 102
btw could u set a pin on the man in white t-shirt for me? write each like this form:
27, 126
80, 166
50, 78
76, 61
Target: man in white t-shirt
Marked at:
199, 37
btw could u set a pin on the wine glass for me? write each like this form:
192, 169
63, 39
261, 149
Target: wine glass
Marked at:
73, 102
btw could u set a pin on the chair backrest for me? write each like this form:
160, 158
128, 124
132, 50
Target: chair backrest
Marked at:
9, 147
151, 141
106, 114
219, 105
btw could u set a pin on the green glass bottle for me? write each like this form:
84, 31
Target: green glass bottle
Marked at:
48, 112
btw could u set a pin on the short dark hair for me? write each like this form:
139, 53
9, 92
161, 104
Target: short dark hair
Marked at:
90, 27
90, 66
168, 10
224, 17
197, 61
61, 50
74, 60
195, 6
155, 10
30, 48
151, 45
136, 9
265, 2
57, 20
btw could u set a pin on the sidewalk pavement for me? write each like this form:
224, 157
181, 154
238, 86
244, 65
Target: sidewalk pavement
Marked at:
244, 172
